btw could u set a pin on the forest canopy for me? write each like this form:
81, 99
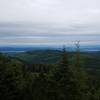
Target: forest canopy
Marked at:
65, 80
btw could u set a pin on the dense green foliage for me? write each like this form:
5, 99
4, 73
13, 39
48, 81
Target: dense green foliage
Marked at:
91, 59
67, 79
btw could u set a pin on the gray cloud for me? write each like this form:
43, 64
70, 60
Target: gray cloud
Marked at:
49, 21
50, 11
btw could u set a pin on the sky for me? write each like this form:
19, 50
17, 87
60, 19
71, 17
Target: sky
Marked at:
49, 21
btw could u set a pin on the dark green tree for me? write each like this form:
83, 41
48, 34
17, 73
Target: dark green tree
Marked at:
12, 79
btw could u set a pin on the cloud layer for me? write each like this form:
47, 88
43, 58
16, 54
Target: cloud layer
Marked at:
49, 21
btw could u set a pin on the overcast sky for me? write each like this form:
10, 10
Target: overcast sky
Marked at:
49, 21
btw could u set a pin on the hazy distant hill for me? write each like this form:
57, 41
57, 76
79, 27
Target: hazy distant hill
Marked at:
39, 56
14, 49
91, 59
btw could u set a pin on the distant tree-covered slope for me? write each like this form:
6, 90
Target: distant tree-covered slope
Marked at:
92, 59
40, 56
62, 79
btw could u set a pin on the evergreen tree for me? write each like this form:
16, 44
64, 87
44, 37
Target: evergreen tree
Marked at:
71, 79
12, 81
80, 76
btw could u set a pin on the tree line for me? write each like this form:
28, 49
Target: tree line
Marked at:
66, 80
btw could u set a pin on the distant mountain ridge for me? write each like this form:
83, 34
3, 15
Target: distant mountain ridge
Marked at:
9, 49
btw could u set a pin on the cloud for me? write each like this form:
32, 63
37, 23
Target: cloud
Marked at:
51, 21
50, 11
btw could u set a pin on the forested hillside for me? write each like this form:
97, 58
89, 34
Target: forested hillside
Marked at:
50, 75
50, 57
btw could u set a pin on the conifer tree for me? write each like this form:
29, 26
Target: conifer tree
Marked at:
80, 76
